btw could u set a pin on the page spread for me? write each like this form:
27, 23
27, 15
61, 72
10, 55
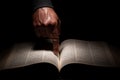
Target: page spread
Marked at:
71, 51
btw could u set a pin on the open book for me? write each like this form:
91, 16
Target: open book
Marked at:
77, 59
71, 51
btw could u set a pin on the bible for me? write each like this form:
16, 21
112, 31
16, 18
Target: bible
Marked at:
72, 51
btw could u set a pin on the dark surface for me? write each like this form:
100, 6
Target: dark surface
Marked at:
87, 72
41, 71
70, 72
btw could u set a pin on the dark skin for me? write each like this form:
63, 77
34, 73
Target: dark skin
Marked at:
46, 17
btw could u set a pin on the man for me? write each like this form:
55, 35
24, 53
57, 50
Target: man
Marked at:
16, 22
46, 22
81, 19
77, 15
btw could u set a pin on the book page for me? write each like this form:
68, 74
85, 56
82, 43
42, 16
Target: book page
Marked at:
69, 53
22, 54
42, 56
85, 52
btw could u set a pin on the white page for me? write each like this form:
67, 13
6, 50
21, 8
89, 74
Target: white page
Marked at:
85, 52
22, 54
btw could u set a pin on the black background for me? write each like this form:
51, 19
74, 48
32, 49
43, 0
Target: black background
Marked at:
79, 19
